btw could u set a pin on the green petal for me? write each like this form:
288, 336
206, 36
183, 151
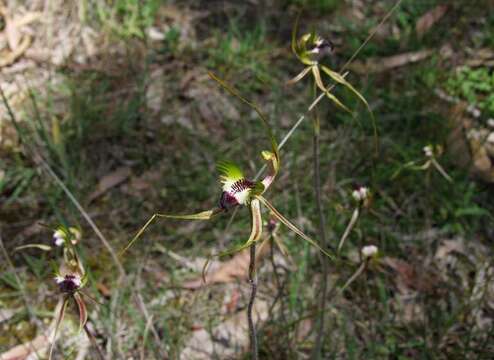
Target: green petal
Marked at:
230, 171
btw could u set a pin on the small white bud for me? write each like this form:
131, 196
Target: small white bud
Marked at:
59, 237
360, 194
428, 150
369, 251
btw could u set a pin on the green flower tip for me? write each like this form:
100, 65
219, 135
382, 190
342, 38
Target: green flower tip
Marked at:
311, 48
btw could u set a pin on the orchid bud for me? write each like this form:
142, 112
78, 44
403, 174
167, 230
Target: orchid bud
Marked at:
369, 251
59, 237
361, 194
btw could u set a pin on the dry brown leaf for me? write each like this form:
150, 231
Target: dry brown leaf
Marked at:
426, 21
409, 277
11, 57
376, 65
12, 32
21, 352
109, 181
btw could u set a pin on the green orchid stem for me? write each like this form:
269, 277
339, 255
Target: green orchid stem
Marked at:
254, 351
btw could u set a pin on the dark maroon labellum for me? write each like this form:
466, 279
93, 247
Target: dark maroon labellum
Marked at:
68, 285
227, 201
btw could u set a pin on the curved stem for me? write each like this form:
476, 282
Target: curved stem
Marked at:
253, 284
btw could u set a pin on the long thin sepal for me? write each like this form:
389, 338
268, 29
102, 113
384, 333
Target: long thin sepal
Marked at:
441, 170
292, 227
320, 85
299, 77
234, 92
204, 215
295, 47
57, 325
341, 80
81, 306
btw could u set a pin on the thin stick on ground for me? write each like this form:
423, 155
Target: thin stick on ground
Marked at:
254, 353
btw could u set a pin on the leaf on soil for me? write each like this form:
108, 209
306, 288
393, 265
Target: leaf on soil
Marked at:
377, 65
231, 270
109, 181
426, 21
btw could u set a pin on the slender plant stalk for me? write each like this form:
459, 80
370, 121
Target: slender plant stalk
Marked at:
316, 351
93, 340
254, 353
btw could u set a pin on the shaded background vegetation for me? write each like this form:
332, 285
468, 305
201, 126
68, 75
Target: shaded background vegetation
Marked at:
131, 123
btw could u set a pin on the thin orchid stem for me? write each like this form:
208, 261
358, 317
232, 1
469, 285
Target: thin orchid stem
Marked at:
316, 351
254, 351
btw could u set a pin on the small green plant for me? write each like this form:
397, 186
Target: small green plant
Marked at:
476, 86
431, 153
127, 18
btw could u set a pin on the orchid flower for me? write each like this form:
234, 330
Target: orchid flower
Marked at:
240, 190
362, 197
70, 278
310, 49
431, 153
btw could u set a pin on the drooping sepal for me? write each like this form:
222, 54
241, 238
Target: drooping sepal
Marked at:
273, 168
